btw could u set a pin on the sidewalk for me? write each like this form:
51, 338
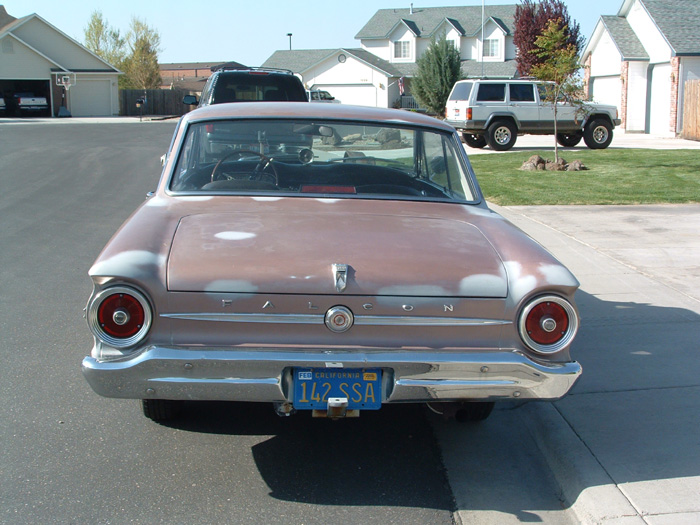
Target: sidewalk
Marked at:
86, 120
624, 445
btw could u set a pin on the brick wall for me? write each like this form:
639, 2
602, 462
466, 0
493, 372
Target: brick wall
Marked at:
624, 81
587, 78
675, 72
171, 76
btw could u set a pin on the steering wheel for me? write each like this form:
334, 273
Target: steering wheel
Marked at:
257, 173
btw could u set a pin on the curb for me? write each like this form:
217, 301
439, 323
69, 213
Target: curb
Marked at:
587, 489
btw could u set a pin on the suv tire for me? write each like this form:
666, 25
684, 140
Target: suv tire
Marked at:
474, 141
569, 140
501, 135
598, 134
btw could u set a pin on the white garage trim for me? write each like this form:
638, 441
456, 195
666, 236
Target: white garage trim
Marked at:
660, 100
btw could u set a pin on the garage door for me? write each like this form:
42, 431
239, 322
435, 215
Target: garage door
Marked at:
660, 108
91, 98
353, 94
607, 90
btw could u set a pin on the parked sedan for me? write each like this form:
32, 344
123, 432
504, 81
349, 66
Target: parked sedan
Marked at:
330, 259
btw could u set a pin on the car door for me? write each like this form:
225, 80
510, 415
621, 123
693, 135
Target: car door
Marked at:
524, 103
568, 118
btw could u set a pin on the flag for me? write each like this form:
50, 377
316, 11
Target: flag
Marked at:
401, 86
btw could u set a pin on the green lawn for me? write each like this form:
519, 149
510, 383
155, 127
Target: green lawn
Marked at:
614, 176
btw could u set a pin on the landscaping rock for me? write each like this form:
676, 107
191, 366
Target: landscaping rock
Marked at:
536, 162
576, 165
559, 165
388, 135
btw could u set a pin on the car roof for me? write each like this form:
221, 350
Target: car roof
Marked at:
320, 111
501, 80
253, 70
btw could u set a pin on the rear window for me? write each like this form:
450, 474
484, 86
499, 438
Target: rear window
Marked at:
461, 91
491, 93
321, 158
249, 87
522, 93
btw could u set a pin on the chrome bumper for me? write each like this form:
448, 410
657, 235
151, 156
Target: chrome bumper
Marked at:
266, 375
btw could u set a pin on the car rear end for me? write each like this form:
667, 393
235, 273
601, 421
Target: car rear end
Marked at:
458, 111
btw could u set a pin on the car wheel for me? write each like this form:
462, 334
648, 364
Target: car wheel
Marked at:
161, 409
475, 411
569, 140
598, 134
501, 135
474, 141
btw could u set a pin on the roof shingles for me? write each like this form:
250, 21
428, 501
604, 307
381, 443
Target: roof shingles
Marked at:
679, 21
428, 20
625, 39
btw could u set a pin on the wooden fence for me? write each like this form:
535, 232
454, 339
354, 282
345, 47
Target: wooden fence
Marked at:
158, 102
691, 110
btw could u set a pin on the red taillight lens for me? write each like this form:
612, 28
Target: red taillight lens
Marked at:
121, 315
469, 113
548, 324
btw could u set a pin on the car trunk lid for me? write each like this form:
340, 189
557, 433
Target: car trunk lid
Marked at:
300, 253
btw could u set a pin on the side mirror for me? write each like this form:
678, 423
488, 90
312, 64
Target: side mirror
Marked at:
190, 100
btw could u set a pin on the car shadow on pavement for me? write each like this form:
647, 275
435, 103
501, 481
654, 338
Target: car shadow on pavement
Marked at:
383, 458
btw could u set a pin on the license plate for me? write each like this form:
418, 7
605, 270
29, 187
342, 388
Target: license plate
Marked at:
313, 387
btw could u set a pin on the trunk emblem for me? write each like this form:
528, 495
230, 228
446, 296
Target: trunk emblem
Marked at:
340, 276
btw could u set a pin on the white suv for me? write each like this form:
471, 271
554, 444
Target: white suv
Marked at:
495, 112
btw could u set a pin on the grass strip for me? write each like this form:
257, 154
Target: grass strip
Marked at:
614, 176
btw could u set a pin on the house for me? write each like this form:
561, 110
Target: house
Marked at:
640, 59
190, 76
34, 56
393, 40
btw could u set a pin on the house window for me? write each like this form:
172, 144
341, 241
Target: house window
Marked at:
491, 47
402, 49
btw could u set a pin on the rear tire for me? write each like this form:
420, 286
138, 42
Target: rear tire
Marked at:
161, 409
474, 141
474, 411
569, 140
598, 134
502, 135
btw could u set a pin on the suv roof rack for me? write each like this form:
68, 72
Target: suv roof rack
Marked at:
261, 69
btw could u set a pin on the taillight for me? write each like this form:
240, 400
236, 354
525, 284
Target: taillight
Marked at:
548, 324
469, 113
119, 316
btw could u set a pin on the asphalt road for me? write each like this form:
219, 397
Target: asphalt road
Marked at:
70, 456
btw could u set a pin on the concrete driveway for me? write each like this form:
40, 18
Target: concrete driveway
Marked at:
625, 444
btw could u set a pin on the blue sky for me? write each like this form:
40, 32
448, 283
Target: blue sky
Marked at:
249, 32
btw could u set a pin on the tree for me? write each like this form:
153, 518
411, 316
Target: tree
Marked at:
531, 20
104, 41
438, 70
141, 66
136, 54
558, 67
